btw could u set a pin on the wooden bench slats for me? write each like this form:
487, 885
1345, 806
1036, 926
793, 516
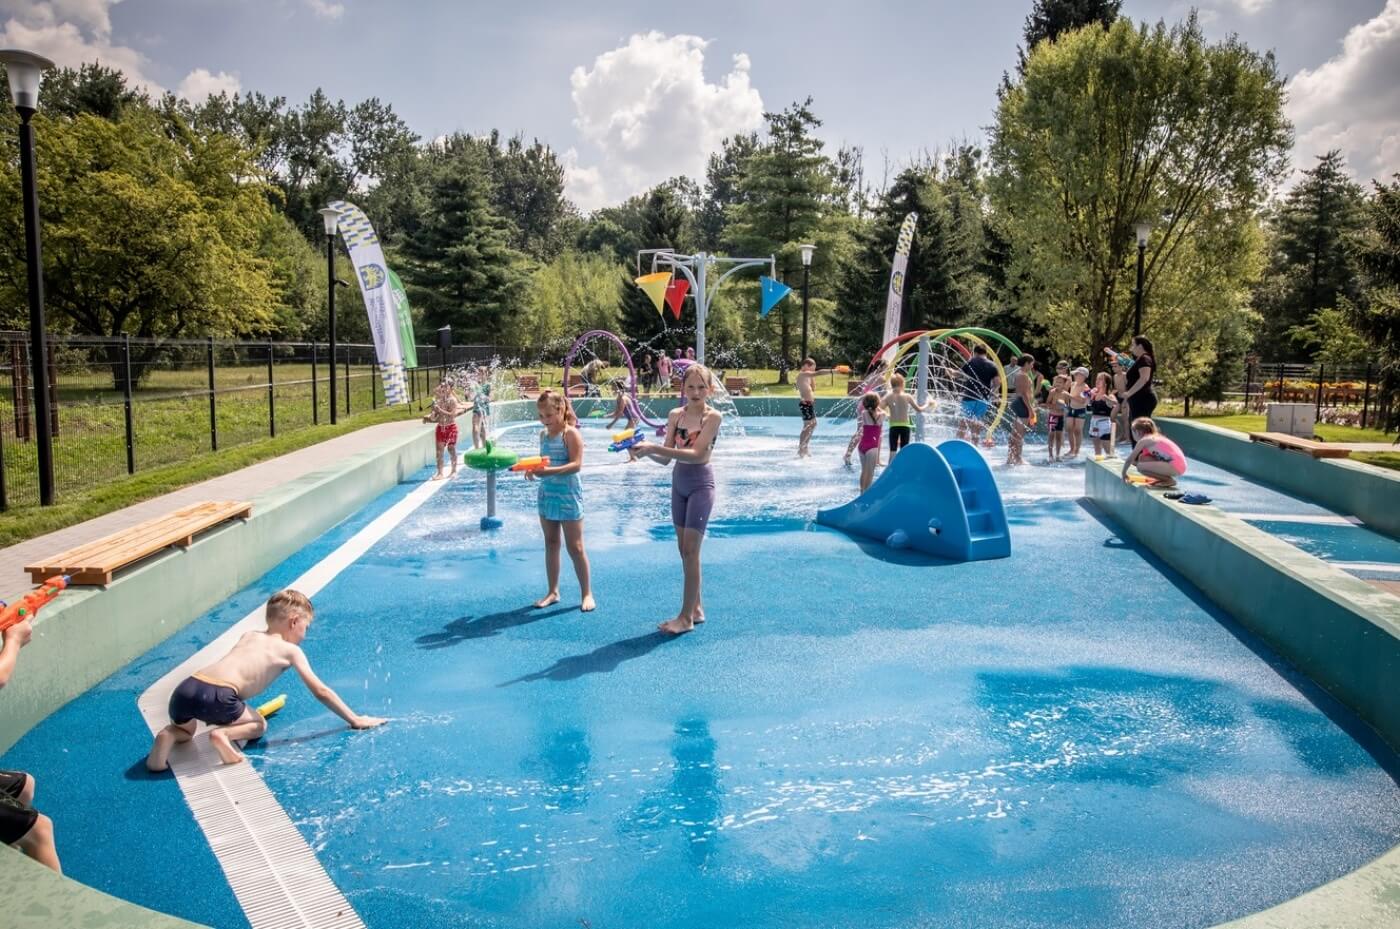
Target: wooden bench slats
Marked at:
95, 562
1293, 443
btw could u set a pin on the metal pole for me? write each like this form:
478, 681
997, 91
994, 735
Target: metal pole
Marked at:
1366, 397
213, 409
1248, 378
347, 384
702, 307
805, 269
921, 376
1317, 404
38, 349
315, 393
271, 395
126, 404
330, 305
1280, 382
1137, 312
373, 384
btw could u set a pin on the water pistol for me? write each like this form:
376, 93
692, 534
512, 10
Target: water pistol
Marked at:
626, 439
28, 605
533, 463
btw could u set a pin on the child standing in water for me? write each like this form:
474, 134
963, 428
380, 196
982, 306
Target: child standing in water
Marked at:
481, 413
867, 438
1102, 406
445, 410
1056, 407
806, 405
690, 438
897, 405
1077, 409
561, 495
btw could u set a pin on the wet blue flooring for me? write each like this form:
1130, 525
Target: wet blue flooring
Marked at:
1068, 737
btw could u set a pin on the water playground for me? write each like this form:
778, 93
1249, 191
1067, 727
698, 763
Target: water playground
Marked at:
974, 695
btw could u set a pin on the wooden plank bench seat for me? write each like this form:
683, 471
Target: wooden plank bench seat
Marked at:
528, 384
1293, 443
737, 385
97, 561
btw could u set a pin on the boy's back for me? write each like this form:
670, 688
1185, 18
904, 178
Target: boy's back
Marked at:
253, 664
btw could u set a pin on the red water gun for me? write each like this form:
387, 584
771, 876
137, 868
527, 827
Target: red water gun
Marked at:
28, 605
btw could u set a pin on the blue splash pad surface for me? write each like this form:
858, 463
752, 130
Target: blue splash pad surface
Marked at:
1071, 736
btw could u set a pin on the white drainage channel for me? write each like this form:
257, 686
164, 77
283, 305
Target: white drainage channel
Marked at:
1317, 519
274, 874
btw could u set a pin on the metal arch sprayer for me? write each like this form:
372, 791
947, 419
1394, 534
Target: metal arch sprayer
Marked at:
631, 370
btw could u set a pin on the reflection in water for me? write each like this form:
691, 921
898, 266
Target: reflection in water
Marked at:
695, 788
565, 758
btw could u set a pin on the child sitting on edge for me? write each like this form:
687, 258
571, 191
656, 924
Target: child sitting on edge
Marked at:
218, 694
1155, 455
481, 413
896, 405
445, 410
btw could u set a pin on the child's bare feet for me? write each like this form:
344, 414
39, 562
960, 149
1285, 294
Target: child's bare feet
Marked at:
159, 758
678, 626
438, 476
699, 616
588, 606
548, 599
227, 753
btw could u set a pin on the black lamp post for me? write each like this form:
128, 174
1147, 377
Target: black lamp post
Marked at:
1143, 230
331, 217
807, 251
25, 71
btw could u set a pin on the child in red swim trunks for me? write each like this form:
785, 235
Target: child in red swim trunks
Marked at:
446, 409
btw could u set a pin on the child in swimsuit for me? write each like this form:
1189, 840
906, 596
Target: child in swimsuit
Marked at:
1077, 409
1022, 407
445, 410
690, 438
481, 413
868, 423
806, 405
219, 694
1102, 406
561, 496
622, 407
1155, 455
1056, 406
897, 405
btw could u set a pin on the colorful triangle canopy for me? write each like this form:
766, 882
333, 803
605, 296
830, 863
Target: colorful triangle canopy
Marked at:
675, 295
773, 291
655, 287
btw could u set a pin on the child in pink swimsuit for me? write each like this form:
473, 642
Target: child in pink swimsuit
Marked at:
869, 421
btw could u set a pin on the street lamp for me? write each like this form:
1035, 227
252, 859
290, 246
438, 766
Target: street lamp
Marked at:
807, 251
331, 217
1143, 229
25, 71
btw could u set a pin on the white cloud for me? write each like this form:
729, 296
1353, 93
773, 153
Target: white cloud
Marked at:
91, 15
649, 111
199, 85
1352, 101
326, 9
66, 44
1248, 7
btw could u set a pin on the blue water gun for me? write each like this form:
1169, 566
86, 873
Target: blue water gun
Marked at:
626, 439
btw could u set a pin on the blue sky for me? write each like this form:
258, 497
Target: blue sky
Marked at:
632, 95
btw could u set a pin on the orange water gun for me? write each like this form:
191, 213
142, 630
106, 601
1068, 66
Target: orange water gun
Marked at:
533, 463
28, 605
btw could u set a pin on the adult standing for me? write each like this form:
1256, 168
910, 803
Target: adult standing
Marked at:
1142, 400
663, 372
977, 382
1022, 407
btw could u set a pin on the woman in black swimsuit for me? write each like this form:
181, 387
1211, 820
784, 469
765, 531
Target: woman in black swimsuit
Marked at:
1140, 396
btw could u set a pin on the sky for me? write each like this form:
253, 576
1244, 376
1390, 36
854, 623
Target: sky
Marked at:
631, 93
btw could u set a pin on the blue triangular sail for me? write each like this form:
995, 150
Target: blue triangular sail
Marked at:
773, 291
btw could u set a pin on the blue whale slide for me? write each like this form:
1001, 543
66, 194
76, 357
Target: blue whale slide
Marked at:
941, 501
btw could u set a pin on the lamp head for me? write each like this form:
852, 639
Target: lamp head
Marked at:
807, 251
331, 217
1144, 229
25, 71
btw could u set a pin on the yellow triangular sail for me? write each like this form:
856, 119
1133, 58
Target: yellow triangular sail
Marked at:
655, 286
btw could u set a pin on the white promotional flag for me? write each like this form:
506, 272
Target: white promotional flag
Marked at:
373, 272
896, 295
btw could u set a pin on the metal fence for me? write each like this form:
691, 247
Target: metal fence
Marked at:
1342, 394
120, 406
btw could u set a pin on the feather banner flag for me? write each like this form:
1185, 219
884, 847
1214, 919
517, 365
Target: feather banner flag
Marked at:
655, 287
894, 301
773, 291
376, 288
675, 295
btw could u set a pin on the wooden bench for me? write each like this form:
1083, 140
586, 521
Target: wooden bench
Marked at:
737, 385
1293, 443
527, 384
96, 562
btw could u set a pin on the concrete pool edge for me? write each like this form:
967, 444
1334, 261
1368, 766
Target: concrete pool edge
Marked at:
92, 633
1338, 630
1353, 488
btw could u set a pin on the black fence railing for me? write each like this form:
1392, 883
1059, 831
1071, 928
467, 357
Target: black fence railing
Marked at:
1341, 394
119, 406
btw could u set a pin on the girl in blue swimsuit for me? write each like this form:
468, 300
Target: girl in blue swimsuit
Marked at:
561, 495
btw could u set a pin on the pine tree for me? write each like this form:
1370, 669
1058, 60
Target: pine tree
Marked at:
1376, 315
663, 221
1051, 18
460, 270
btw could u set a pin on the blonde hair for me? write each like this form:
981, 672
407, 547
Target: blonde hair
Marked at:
1144, 425
897, 378
706, 377
556, 400
284, 604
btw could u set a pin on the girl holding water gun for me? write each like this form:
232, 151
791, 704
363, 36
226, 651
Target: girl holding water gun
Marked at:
561, 495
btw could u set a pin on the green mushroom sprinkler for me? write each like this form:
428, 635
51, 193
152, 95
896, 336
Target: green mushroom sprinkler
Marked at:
490, 459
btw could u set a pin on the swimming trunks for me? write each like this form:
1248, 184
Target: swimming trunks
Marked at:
446, 434
16, 817
1055, 422
561, 495
1101, 427
1077, 412
975, 409
1019, 409
208, 701
899, 437
808, 409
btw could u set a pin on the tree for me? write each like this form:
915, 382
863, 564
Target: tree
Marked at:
459, 268
1050, 19
568, 296
529, 190
1109, 127
661, 220
92, 88
1311, 267
723, 191
1376, 315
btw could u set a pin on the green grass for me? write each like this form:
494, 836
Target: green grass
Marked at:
1247, 422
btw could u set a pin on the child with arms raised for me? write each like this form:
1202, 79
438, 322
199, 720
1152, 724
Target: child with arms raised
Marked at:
561, 496
218, 695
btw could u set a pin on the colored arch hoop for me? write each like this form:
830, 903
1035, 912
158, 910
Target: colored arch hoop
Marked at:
631, 369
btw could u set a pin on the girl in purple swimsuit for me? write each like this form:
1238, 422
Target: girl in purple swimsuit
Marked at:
690, 437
